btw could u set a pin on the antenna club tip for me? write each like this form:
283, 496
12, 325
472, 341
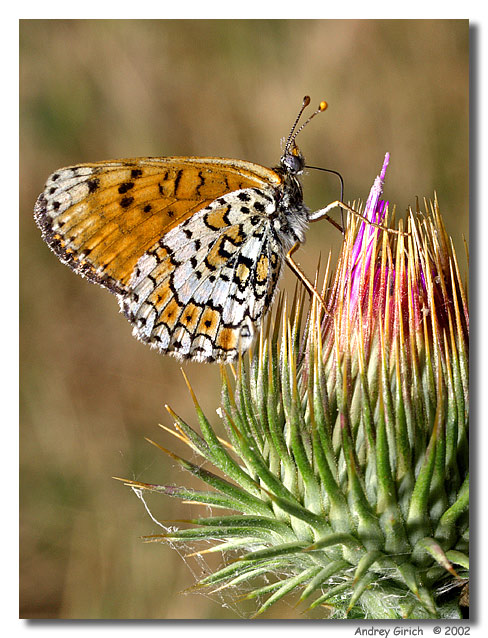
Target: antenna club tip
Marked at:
323, 105
306, 100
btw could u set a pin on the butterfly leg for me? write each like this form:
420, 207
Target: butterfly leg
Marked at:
323, 213
302, 277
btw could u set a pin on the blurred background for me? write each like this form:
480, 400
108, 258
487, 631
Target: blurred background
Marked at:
90, 393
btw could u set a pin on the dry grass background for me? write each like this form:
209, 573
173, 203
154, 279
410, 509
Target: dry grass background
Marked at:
94, 90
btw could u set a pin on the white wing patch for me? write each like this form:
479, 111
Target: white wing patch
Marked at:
201, 290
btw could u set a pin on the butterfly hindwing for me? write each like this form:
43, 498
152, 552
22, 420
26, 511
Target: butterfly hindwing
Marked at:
201, 290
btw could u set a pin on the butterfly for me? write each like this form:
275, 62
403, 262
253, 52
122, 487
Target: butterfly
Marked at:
193, 247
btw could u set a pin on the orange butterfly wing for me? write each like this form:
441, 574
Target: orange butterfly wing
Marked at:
101, 218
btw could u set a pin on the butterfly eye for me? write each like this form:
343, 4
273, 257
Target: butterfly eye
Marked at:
293, 161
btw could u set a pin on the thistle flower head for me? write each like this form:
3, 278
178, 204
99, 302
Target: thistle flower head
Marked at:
346, 462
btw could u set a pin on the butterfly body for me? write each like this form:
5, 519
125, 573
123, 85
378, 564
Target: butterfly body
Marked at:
192, 247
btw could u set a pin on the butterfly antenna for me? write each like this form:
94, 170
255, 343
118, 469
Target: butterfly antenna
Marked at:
293, 134
291, 137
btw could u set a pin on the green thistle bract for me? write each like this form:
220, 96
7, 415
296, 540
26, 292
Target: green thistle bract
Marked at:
347, 457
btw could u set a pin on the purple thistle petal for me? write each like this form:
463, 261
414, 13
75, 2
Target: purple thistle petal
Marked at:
363, 246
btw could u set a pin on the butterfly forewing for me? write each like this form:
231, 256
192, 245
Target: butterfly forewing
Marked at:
184, 242
102, 217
